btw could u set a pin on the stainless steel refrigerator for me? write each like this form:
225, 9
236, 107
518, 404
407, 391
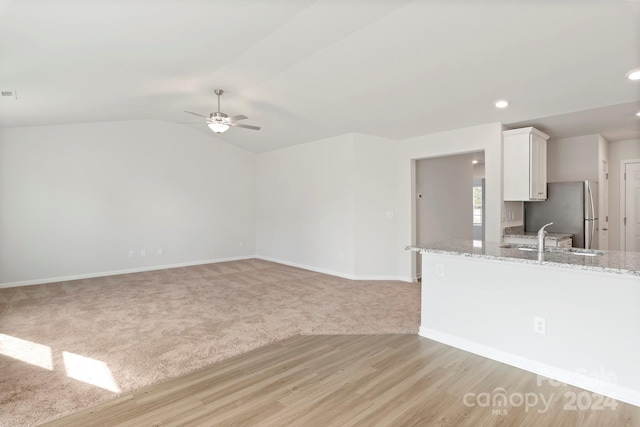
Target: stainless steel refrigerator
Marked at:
572, 207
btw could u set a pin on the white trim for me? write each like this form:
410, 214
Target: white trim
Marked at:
192, 263
397, 278
614, 391
117, 272
334, 273
623, 198
307, 267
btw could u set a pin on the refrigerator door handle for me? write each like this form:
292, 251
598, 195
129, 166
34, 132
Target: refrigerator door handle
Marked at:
592, 208
587, 234
590, 221
590, 226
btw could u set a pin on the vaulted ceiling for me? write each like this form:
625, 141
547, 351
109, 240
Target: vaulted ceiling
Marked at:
305, 70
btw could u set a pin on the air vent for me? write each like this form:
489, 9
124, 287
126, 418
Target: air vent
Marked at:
9, 94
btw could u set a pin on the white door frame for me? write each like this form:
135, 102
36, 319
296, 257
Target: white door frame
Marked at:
603, 208
623, 205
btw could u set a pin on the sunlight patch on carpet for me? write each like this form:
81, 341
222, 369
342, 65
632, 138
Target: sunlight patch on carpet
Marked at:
90, 371
26, 351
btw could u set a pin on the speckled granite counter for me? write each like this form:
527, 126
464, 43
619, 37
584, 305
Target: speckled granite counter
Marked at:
534, 236
627, 263
518, 232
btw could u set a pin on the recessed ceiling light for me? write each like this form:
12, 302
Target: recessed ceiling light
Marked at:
634, 75
502, 103
475, 162
638, 114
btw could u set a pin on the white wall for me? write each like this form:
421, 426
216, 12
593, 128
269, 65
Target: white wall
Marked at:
573, 159
487, 138
478, 169
305, 206
324, 205
376, 224
329, 206
618, 151
75, 199
90, 193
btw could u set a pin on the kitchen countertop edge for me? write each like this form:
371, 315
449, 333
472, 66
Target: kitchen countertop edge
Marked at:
625, 263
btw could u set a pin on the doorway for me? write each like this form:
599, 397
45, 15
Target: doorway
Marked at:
604, 206
445, 204
630, 209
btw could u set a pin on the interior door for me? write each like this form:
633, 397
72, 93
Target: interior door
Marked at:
632, 207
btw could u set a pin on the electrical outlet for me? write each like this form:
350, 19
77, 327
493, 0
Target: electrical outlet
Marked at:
440, 270
143, 252
132, 254
540, 325
159, 252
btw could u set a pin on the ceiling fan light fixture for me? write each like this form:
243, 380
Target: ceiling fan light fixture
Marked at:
219, 122
634, 75
218, 127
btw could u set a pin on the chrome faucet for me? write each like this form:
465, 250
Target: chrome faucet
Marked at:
541, 234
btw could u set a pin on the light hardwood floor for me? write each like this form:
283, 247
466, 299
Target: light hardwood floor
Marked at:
359, 380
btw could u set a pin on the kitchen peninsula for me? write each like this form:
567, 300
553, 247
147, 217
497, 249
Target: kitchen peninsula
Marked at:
573, 317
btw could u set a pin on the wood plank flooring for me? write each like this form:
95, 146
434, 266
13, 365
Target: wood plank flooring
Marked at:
359, 380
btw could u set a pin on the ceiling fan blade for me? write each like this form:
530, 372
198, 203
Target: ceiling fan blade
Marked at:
238, 117
196, 114
238, 125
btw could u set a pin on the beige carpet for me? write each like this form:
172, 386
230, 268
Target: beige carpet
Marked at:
69, 345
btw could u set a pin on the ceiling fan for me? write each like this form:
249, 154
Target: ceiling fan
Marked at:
219, 122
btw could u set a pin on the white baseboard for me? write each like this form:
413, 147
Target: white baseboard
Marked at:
612, 390
335, 273
208, 261
308, 267
116, 272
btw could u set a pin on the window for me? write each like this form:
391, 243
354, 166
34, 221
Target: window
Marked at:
477, 204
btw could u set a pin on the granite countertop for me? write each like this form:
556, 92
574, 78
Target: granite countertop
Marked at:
534, 235
627, 263
518, 231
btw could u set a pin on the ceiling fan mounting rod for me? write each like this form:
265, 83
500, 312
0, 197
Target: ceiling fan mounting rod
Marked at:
218, 92
219, 122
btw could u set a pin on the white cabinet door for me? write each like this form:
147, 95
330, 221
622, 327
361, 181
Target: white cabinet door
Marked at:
525, 165
538, 168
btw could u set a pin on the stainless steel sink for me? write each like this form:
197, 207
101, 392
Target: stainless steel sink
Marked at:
520, 247
584, 252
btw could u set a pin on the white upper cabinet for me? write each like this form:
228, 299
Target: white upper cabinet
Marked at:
525, 164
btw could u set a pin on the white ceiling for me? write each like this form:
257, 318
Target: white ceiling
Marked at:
306, 70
